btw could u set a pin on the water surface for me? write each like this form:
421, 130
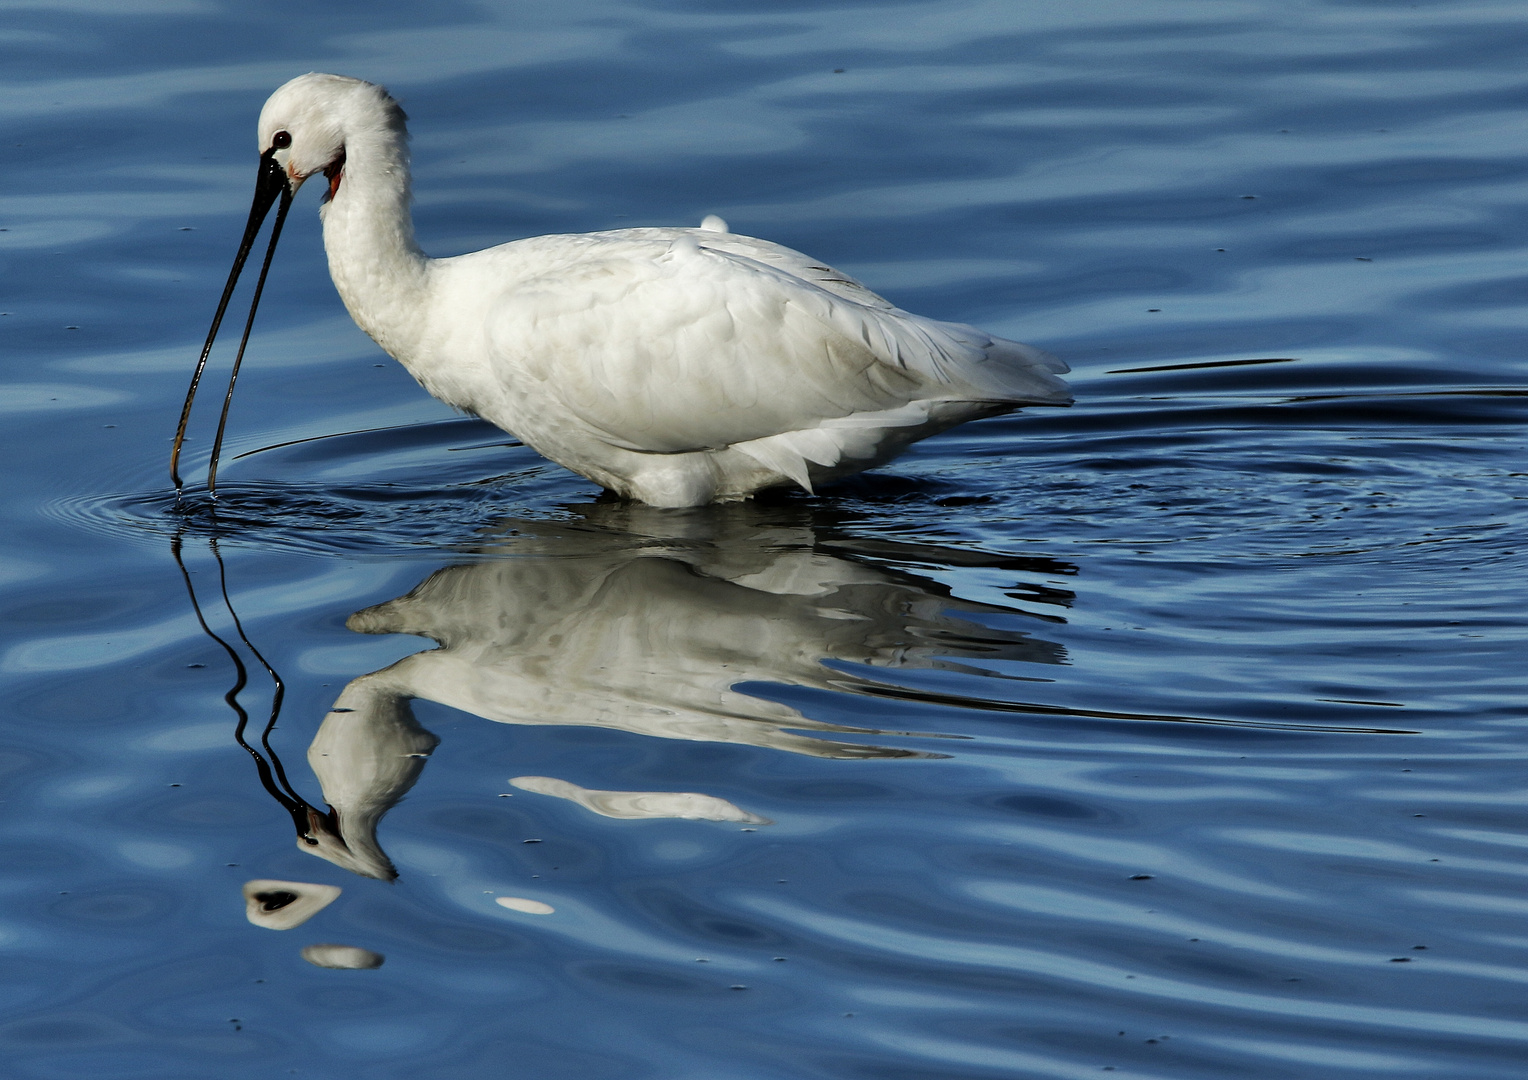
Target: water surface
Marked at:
1178, 734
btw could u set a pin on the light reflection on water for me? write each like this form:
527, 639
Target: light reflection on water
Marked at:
1318, 560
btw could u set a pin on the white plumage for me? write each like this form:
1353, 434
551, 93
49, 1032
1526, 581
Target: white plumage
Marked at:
674, 366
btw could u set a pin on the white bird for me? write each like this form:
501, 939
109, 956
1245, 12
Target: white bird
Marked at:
673, 366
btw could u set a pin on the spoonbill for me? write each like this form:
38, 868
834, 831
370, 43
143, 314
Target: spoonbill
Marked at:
673, 366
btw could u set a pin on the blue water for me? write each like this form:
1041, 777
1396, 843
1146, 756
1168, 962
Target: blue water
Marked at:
1178, 734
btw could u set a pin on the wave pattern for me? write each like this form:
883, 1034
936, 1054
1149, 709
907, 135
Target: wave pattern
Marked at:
1178, 734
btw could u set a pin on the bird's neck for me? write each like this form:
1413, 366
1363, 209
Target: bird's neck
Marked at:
369, 237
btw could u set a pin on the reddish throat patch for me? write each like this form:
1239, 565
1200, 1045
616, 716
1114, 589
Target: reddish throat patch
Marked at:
335, 171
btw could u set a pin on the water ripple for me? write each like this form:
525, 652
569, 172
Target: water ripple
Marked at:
1178, 734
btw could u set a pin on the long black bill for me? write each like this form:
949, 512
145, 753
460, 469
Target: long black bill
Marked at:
270, 183
254, 303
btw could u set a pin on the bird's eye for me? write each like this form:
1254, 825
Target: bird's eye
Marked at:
281, 140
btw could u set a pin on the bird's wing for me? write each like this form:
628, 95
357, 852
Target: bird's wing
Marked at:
998, 351
664, 344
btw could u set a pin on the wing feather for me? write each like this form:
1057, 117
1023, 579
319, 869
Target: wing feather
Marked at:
673, 340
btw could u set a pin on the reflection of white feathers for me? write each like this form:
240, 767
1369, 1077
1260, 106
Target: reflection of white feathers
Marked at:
345, 957
652, 632
281, 905
632, 805
644, 621
367, 754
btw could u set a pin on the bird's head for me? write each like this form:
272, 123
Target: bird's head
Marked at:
303, 130
305, 124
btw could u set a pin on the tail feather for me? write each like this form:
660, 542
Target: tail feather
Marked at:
1025, 373
963, 361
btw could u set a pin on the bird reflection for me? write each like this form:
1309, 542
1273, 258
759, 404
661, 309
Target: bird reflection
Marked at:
647, 621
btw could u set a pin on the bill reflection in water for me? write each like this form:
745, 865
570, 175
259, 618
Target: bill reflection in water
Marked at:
648, 622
